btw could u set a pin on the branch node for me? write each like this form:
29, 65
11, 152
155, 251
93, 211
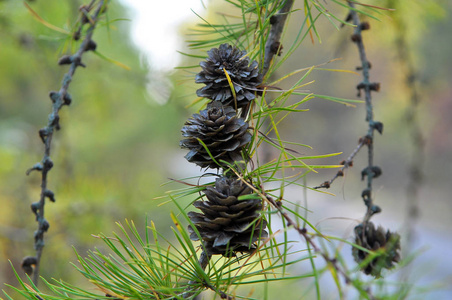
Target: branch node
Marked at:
67, 99
43, 134
364, 25
347, 163
326, 185
54, 120
273, 19
91, 46
356, 38
373, 171
28, 262
47, 163
54, 96
76, 35
373, 86
366, 193
39, 238
377, 125
375, 209
78, 62
368, 65
44, 226
36, 167
366, 140
276, 48
35, 206
376, 171
84, 10
49, 194
65, 60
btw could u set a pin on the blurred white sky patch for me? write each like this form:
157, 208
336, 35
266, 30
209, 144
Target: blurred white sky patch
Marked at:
155, 30
155, 26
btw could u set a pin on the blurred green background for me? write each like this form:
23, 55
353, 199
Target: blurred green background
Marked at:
118, 145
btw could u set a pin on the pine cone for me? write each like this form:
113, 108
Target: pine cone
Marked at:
227, 224
245, 77
221, 130
374, 240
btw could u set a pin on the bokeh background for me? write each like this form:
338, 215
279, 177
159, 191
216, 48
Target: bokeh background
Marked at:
119, 139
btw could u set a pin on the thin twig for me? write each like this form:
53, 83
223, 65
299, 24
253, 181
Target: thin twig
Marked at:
370, 171
304, 233
346, 164
59, 99
222, 294
272, 46
365, 85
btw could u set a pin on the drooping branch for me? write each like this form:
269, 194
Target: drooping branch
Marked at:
367, 87
59, 99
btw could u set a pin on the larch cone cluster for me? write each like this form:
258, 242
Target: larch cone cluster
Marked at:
230, 220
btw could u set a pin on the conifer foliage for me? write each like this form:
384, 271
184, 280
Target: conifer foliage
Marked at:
231, 223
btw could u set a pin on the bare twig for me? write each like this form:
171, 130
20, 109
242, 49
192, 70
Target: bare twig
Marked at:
273, 45
309, 239
346, 164
304, 233
370, 171
59, 99
222, 294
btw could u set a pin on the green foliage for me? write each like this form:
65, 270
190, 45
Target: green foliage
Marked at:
152, 265
111, 142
